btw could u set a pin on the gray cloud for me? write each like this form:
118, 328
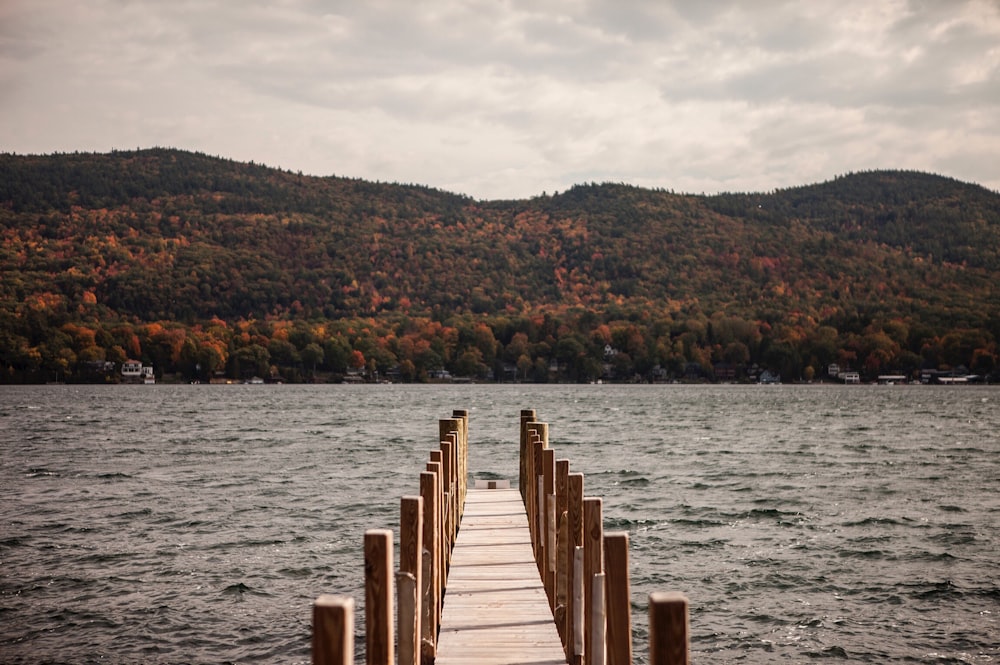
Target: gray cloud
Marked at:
507, 99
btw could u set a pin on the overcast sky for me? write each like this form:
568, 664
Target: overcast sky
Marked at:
507, 99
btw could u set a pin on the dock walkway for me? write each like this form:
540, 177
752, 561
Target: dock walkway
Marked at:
497, 576
496, 611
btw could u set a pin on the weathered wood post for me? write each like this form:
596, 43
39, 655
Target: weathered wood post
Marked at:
618, 599
527, 415
562, 546
669, 629
431, 601
436, 466
378, 597
549, 478
448, 468
574, 568
463, 458
333, 631
593, 578
538, 517
409, 582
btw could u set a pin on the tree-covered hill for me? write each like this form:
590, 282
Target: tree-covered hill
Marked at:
202, 265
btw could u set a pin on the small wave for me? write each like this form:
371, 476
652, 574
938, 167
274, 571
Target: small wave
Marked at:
830, 652
116, 475
41, 472
878, 521
238, 590
862, 554
634, 482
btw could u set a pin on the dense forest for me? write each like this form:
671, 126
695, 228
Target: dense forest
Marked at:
207, 268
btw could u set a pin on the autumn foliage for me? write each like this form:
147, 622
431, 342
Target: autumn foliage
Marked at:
208, 268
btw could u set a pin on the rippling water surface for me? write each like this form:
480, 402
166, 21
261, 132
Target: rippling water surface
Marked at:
181, 524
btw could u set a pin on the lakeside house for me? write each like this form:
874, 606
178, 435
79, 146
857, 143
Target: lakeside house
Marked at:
133, 371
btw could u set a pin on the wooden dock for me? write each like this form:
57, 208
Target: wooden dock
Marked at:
496, 611
498, 576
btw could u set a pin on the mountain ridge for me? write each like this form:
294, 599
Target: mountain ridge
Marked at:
174, 238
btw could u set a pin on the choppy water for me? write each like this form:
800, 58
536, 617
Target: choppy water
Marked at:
183, 524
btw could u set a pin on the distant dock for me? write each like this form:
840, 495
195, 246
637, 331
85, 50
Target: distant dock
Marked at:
491, 575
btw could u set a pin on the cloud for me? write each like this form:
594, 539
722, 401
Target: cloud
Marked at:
509, 99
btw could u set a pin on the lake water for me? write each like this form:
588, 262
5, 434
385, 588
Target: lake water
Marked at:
196, 524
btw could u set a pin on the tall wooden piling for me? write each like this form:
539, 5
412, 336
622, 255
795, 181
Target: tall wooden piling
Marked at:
593, 566
668, 629
618, 599
411, 550
379, 641
431, 586
333, 630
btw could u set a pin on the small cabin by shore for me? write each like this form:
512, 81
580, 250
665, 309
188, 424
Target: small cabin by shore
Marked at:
133, 371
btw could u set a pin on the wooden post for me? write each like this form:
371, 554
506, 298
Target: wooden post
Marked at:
527, 415
574, 583
431, 601
434, 466
597, 649
333, 631
562, 545
463, 415
411, 550
378, 597
407, 602
618, 599
669, 629
539, 515
593, 565
448, 468
549, 470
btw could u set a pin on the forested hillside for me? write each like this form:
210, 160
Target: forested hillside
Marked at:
205, 268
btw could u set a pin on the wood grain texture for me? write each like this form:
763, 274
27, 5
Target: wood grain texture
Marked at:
495, 610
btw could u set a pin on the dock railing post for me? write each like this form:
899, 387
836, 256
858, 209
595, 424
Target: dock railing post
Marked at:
574, 570
669, 629
527, 415
410, 578
463, 458
593, 570
618, 599
562, 546
333, 631
549, 521
430, 603
378, 597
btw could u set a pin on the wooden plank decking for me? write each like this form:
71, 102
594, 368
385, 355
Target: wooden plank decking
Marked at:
495, 608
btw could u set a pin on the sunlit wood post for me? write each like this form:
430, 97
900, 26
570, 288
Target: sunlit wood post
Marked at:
549, 487
333, 631
431, 601
527, 415
539, 515
593, 565
378, 597
448, 469
669, 629
574, 569
410, 578
463, 458
435, 467
618, 599
451, 430
562, 546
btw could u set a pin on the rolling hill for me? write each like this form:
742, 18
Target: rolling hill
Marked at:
206, 266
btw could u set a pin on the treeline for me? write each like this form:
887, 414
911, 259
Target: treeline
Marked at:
206, 267
576, 345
